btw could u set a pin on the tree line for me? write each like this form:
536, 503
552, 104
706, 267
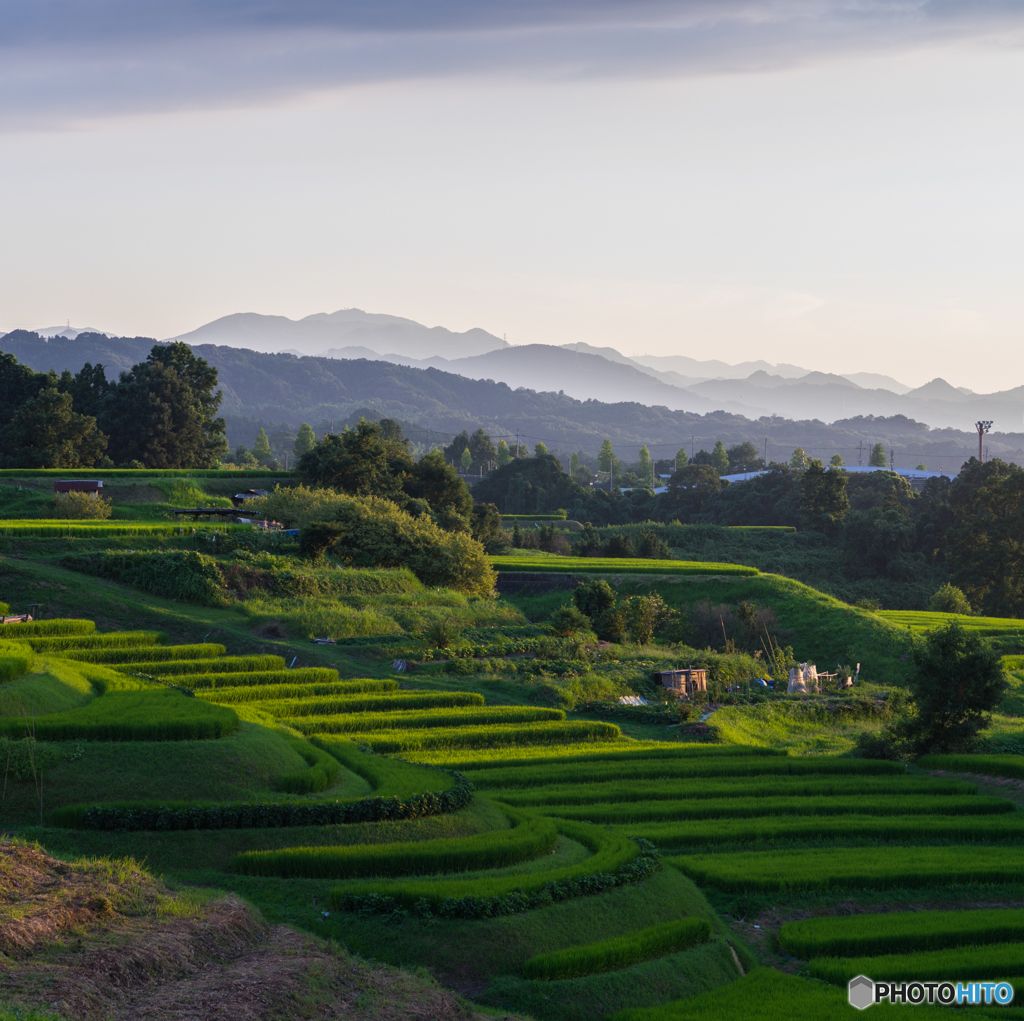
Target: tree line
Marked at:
160, 413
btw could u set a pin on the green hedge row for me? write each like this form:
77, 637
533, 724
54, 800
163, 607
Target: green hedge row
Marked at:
387, 741
321, 774
132, 716
184, 815
984, 765
766, 807
615, 861
299, 676
223, 665
775, 787
877, 868
344, 704
613, 954
418, 719
146, 654
45, 628
997, 961
900, 932
695, 766
527, 839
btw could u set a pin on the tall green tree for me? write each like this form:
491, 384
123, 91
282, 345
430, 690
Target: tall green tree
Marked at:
823, 499
743, 457
359, 461
466, 460
503, 455
682, 459
799, 459
574, 463
482, 449
956, 684
719, 458
837, 461
162, 412
305, 441
46, 432
261, 448
985, 549
605, 456
878, 458
540, 448
645, 466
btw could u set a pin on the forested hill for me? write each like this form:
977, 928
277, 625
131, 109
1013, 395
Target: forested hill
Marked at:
288, 389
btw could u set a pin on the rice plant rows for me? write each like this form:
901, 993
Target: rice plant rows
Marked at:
1006, 826
529, 839
384, 704
875, 868
251, 681
740, 787
46, 629
984, 765
226, 664
900, 932
764, 807
132, 716
696, 767
274, 692
610, 852
569, 754
610, 565
402, 719
89, 642
613, 954
389, 741
995, 961
143, 654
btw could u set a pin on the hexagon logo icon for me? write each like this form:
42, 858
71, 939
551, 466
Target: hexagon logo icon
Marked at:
861, 991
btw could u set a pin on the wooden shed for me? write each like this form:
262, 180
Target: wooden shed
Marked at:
683, 683
90, 486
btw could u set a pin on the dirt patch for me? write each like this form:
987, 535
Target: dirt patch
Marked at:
271, 629
102, 940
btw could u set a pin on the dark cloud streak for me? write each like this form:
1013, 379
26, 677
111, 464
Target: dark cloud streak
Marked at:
66, 61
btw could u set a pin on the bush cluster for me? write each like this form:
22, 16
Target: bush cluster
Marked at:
175, 574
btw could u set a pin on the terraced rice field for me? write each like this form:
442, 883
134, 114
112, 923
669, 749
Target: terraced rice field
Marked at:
569, 814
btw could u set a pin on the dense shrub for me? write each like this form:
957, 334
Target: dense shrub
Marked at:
176, 574
77, 506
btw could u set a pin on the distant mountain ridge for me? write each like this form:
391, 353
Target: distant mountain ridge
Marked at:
754, 389
268, 388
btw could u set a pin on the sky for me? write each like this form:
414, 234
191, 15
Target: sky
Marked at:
830, 184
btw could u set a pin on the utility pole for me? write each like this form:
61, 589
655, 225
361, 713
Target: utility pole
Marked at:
517, 442
766, 452
691, 448
860, 455
982, 427
892, 460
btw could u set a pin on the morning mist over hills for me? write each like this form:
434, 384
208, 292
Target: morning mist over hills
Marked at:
325, 366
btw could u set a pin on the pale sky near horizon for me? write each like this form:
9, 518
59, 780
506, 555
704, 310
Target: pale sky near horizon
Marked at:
835, 185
